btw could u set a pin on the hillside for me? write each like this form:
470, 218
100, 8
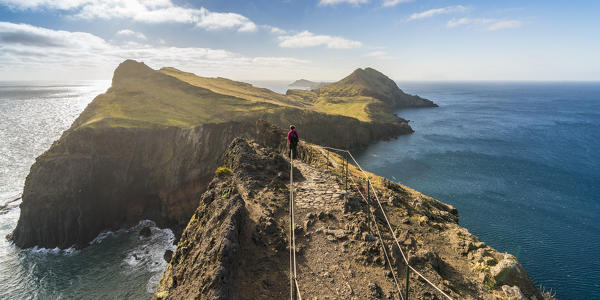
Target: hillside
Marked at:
369, 82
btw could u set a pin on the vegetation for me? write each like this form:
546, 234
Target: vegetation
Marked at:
223, 171
143, 97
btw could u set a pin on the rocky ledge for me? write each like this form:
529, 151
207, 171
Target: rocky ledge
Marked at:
236, 244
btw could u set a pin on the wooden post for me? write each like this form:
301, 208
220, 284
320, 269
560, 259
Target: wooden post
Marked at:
407, 276
346, 173
368, 192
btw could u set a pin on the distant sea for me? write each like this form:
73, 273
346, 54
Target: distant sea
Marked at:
117, 265
520, 161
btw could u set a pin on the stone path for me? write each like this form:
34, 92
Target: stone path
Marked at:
320, 190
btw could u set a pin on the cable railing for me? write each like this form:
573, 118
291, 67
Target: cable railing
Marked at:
369, 188
294, 289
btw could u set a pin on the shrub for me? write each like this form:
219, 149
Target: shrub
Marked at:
223, 171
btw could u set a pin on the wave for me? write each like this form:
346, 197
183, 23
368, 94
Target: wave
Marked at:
53, 251
141, 224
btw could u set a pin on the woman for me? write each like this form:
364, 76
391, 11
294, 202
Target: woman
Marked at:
293, 140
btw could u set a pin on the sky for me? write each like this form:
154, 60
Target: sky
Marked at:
424, 40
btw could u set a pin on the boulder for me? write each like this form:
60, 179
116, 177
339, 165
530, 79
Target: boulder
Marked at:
146, 232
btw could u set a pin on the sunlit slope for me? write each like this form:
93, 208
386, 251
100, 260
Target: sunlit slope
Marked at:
233, 88
143, 97
369, 82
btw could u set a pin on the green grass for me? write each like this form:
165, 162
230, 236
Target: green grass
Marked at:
232, 88
146, 98
159, 103
355, 107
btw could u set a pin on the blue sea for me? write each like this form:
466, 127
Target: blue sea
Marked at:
520, 161
116, 265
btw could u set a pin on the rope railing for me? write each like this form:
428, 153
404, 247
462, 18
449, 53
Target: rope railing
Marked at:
369, 184
382, 244
292, 242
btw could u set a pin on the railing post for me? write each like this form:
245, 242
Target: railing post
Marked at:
407, 276
346, 172
295, 297
368, 192
327, 162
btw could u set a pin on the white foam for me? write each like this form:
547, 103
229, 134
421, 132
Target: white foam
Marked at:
53, 251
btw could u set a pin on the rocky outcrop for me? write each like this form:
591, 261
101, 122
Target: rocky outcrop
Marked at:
236, 244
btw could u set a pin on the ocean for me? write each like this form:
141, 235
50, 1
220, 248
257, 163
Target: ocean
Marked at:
520, 161
117, 265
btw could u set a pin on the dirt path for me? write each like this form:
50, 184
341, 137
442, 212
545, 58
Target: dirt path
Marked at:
319, 191
331, 262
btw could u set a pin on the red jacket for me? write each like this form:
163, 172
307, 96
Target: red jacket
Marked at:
290, 133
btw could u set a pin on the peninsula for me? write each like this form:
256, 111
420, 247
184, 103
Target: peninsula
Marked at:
149, 146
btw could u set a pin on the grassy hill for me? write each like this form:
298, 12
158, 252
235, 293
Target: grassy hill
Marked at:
369, 82
143, 97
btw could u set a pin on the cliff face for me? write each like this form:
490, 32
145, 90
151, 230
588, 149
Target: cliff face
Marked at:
235, 245
95, 179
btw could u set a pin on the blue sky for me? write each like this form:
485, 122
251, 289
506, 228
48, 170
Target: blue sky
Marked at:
286, 40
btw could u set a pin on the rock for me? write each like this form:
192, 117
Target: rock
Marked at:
409, 242
375, 290
512, 293
298, 230
339, 234
146, 232
168, 255
368, 237
308, 223
424, 257
322, 216
429, 296
507, 271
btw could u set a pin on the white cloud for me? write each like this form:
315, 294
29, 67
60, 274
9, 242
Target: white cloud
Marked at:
277, 30
35, 4
25, 48
458, 22
379, 54
388, 3
487, 24
131, 33
146, 11
306, 39
508, 24
335, 2
437, 11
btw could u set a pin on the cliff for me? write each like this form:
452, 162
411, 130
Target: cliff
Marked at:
147, 148
235, 245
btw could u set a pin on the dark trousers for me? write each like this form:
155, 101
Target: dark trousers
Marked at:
294, 150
